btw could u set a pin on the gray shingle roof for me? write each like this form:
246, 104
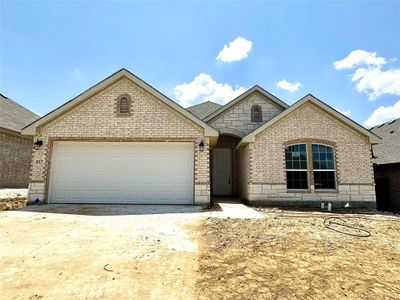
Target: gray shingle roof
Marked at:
204, 109
389, 150
14, 116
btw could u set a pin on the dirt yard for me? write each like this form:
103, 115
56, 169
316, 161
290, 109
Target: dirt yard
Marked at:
292, 255
99, 252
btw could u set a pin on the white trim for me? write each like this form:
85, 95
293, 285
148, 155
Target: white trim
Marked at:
238, 99
373, 139
31, 128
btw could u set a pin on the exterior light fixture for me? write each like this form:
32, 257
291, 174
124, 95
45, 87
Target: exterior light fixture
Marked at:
38, 144
201, 145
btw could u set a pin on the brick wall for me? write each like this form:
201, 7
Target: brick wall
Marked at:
95, 119
15, 160
244, 172
310, 124
239, 116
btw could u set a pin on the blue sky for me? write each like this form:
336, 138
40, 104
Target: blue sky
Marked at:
52, 51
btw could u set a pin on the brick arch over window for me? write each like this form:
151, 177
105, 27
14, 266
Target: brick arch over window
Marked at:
123, 105
256, 113
309, 141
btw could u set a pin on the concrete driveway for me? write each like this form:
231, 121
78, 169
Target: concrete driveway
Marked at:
99, 251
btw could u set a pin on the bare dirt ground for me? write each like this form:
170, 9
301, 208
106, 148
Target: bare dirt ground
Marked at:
99, 252
291, 255
12, 198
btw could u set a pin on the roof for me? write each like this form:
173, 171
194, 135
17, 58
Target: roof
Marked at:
31, 128
374, 139
202, 110
241, 97
14, 116
388, 151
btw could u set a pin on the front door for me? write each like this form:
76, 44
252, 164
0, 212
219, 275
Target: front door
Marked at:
222, 172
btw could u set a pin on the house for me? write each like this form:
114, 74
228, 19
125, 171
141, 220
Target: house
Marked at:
15, 148
122, 141
387, 165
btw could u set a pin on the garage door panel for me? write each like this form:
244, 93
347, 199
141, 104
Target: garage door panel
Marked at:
156, 173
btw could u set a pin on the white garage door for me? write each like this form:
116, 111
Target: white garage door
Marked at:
137, 173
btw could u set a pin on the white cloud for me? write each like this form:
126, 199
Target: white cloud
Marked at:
369, 76
236, 50
289, 86
205, 88
359, 58
343, 112
374, 82
383, 114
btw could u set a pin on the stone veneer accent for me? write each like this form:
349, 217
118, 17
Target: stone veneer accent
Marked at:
239, 116
267, 174
95, 120
15, 159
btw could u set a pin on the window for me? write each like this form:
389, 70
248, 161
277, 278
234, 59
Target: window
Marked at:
256, 113
296, 166
123, 105
321, 172
323, 166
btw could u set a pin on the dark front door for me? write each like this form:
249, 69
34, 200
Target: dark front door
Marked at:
222, 172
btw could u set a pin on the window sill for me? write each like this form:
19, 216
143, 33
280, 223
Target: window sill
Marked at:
326, 191
298, 191
308, 191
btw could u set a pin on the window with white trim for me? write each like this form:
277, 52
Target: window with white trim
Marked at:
296, 167
323, 167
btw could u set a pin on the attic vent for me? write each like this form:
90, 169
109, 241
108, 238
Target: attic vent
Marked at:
256, 113
123, 105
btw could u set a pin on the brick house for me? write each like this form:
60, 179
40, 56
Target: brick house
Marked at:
15, 148
122, 141
387, 166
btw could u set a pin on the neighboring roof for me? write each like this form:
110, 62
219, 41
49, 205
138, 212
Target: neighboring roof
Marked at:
374, 139
31, 128
14, 116
235, 101
204, 109
388, 151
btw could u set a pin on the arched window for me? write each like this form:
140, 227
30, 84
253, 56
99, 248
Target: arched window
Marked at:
296, 167
321, 173
256, 113
123, 105
323, 167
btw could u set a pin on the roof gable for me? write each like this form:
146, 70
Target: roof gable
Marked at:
242, 97
31, 128
374, 139
14, 116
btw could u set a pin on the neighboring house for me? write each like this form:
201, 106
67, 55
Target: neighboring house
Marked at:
122, 141
15, 149
387, 165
